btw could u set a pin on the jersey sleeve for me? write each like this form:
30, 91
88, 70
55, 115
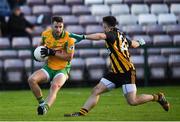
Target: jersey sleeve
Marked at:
43, 38
70, 45
110, 37
77, 37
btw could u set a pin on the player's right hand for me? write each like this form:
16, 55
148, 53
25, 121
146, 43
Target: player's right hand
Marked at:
47, 52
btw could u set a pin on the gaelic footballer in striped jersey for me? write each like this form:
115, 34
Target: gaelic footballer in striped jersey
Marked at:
122, 72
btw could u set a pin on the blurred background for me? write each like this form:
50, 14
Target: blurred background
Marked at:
156, 21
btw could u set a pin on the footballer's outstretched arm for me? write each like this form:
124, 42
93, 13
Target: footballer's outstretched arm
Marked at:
96, 36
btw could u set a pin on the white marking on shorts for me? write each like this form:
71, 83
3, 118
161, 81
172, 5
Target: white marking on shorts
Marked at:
127, 88
47, 74
110, 85
59, 74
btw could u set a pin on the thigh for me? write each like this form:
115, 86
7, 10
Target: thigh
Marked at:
64, 71
129, 89
107, 83
130, 97
59, 80
39, 76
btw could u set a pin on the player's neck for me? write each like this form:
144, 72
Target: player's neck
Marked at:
58, 36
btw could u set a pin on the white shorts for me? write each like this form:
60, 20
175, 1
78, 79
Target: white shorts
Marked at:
127, 88
110, 85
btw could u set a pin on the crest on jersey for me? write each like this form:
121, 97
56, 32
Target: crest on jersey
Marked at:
71, 48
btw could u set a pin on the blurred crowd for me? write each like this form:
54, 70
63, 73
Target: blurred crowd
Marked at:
12, 20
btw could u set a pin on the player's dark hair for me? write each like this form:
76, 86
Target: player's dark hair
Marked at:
110, 21
57, 19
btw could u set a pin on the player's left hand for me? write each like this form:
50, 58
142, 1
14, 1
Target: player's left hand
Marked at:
141, 42
47, 52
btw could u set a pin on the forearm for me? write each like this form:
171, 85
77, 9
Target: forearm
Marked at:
64, 56
96, 36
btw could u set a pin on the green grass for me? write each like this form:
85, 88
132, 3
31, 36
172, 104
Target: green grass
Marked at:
21, 105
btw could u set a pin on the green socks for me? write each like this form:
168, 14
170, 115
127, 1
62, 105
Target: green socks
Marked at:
40, 100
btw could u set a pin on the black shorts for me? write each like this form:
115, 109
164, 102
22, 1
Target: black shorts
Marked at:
120, 79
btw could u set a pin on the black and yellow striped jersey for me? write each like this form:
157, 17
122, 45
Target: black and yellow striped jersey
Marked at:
117, 44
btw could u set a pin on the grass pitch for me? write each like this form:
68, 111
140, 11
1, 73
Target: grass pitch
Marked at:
21, 106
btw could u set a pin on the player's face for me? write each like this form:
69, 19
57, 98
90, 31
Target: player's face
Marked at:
17, 11
58, 27
105, 27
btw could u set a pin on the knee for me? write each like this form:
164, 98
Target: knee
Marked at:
55, 86
132, 102
32, 80
95, 91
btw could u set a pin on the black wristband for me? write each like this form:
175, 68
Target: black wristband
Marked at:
53, 52
84, 37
